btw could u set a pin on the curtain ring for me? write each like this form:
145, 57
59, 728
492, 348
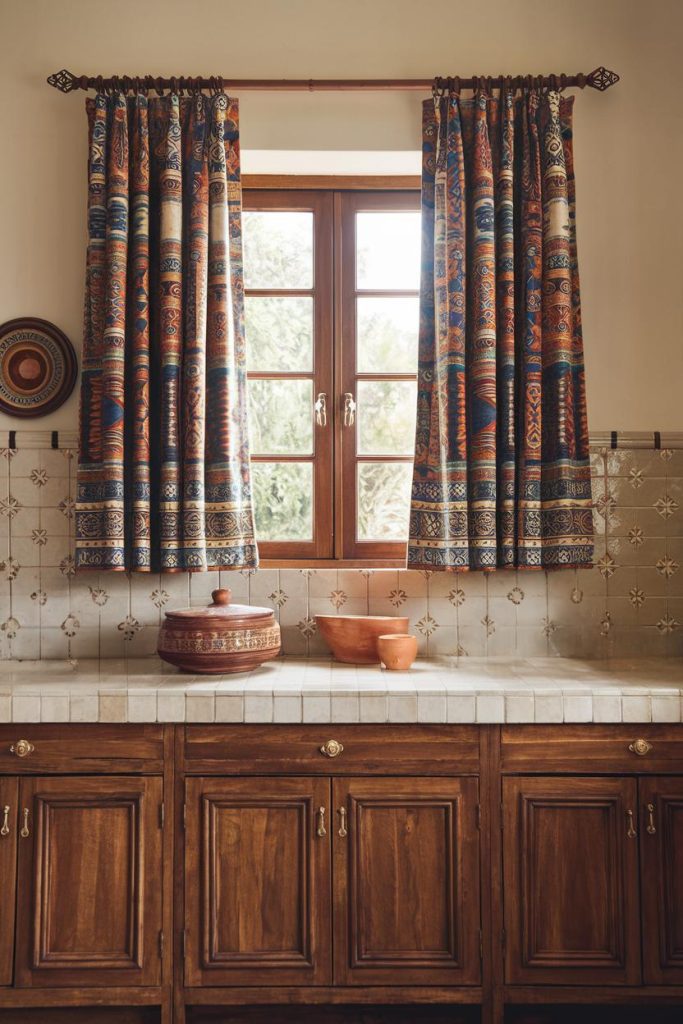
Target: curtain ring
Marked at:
99, 83
159, 86
563, 82
489, 85
220, 83
454, 85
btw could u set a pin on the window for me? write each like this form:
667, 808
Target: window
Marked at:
331, 301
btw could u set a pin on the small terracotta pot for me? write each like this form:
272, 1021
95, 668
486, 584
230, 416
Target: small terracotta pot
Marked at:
397, 651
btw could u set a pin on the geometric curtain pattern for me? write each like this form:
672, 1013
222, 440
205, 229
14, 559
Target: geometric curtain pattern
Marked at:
163, 474
501, 473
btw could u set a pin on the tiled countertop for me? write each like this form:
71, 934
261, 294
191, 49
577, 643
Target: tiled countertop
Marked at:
544, 690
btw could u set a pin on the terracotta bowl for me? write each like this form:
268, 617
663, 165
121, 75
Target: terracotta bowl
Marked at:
353, 638
398, 651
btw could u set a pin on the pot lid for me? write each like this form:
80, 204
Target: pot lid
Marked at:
221, 609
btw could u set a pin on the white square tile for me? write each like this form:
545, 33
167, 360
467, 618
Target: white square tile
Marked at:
84, 707
373, 707
54, 707
666, 708
200, 707
229, 707
5, 707
258, 707
461, 707
490, 708
170, 707
113, 707
316, 708
607, 707
26, 707
548, 708
578, 707
142, 706
403, 707
346, 708
636, 708
431, 707
287, 708
519, 707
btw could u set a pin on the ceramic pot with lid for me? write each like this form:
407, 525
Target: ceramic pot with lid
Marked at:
219, 638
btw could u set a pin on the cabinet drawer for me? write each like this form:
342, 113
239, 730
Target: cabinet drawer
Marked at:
592, 748
395, 750
80, 748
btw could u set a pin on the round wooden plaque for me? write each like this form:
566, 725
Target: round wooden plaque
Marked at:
37, 367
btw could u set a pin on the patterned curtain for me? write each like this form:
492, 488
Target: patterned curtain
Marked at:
163, 475
501, 475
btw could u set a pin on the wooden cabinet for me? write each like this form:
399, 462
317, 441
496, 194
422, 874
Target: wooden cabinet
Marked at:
9, 790
661, 846
257, 881
406, 881
571, 881
89, 882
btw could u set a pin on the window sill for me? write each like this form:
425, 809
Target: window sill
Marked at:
333, 563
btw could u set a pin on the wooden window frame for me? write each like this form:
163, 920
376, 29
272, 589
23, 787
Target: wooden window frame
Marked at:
334, 203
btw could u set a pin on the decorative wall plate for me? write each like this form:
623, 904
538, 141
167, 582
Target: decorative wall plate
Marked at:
37, 367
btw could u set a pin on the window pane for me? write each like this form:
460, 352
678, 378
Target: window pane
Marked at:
388, 249
281, 417
283, 500
279, 333
387, 331
383, 500
386, 417
278, 249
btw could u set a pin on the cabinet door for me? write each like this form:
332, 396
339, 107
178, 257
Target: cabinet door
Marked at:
406, 881
571, 881
89, 889
661, 846
9, 789
257, 881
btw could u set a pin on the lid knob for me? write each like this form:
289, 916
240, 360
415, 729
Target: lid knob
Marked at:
222, 596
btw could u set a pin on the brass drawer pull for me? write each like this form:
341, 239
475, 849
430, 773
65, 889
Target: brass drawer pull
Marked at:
333, 748
4, 831
25, 833
631, 831
640, 747
22, 748
651, 827
343, 831
321, 830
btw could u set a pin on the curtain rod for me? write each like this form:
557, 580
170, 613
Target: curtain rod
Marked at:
601, 78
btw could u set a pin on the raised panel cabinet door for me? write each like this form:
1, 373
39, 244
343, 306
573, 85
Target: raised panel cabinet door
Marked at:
570, 853
9, 790
406, 881
661, 852
89, 887
257, 881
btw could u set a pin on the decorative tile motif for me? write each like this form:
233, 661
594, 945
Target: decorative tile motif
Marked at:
10, 568
278, 597
308, 627
67, 566
456, 596
666, 506
605, 504
667, 566
636, 478
549, 627
427, 625
607, 565
576, 595
39, 537
398, 597
489, 625
70, 626
605, 624
9, 507
11, 627
39, 596
338, 598
38, 477
129, 627
667, 624
67, 507
99, 596
516, 595
636, 596
636, 536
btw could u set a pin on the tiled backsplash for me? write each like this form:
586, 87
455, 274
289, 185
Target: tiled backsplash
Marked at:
630, 603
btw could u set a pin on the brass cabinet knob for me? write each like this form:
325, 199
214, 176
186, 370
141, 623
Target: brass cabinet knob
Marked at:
640, 747
22, 748
333, 748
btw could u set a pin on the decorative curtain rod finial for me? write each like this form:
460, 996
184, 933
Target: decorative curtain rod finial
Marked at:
64, 81
602, 79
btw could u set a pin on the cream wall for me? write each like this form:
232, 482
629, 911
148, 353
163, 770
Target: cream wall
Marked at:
629, 142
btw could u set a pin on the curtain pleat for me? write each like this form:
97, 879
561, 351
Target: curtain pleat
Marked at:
501, 473
163, 476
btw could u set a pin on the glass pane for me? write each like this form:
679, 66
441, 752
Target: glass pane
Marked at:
386, 417
278, 249
283, 500
281, 417
388, 249
386, 331
383, 500
279, 333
